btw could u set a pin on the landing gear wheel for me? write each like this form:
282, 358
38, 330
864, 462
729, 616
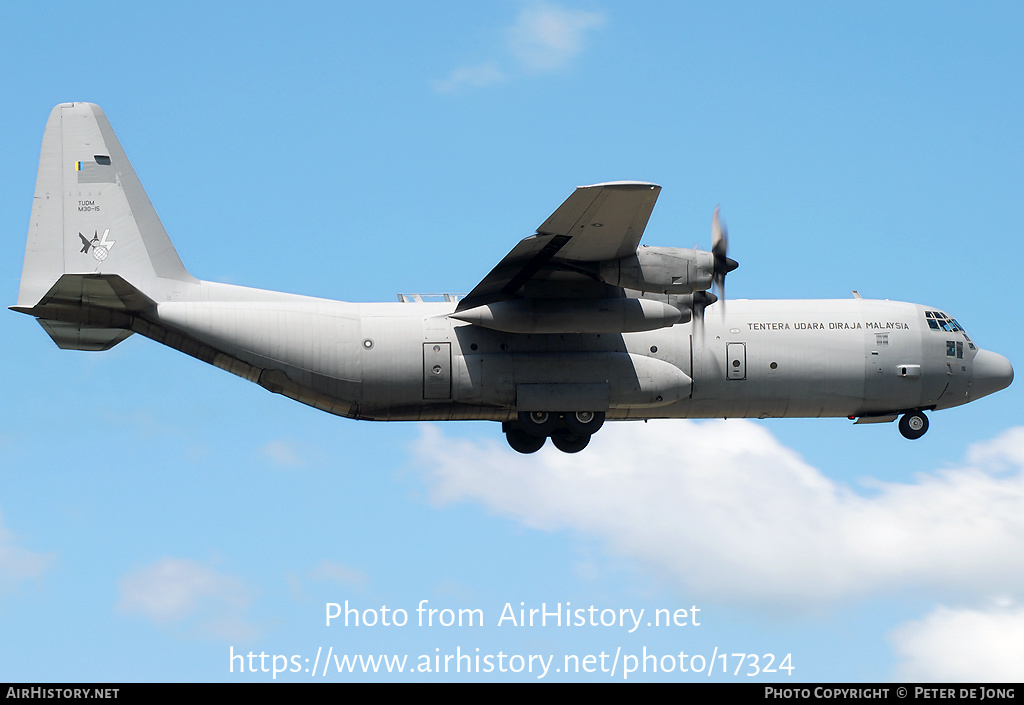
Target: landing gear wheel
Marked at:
523, 442
913, 424
538, 423
583, 423
568, 443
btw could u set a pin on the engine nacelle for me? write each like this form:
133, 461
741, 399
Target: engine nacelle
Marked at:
664, 270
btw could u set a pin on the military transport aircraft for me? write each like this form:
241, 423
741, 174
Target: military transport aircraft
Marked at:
576, 325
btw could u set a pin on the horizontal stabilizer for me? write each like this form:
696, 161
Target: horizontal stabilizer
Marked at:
72, 336
89, 311
96, 291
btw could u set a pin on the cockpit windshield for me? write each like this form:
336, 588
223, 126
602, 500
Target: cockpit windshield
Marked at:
939, 321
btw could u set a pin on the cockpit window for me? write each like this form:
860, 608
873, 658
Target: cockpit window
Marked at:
937, 320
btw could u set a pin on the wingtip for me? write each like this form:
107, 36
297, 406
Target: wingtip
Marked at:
624, 185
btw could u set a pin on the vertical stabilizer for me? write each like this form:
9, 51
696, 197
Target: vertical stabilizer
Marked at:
90, 214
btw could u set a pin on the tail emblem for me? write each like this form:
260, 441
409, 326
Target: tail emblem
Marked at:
100, 247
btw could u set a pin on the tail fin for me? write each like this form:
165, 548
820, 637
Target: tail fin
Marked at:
91, 219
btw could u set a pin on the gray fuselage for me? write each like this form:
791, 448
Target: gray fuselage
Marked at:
410, 361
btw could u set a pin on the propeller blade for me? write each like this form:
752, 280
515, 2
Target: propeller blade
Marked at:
698, 321
720, 285
720, 249
701, 300
719, 237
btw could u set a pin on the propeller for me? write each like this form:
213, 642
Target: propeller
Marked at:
719, 248
722, 266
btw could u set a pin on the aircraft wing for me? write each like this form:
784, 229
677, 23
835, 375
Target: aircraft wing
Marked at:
596, 223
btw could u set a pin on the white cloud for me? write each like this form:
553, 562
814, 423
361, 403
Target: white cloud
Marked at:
281, 453
722, 508
543, 38
340, 574
547, 37
18, 564
176, 592
1006, 451
469, 77
962, 645
333, 572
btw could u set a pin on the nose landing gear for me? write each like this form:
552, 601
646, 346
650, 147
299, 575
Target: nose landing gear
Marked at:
913, 424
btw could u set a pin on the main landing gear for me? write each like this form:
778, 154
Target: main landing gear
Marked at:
570, 431
913, 424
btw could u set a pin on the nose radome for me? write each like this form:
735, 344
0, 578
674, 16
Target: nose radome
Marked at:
992, 372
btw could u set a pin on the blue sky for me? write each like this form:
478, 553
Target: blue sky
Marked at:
156, 513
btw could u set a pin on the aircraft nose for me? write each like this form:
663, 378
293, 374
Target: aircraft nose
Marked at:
992, 372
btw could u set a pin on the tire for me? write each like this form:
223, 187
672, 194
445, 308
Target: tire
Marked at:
913, 424
538, 423
523, 442
588, 425
568, 443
